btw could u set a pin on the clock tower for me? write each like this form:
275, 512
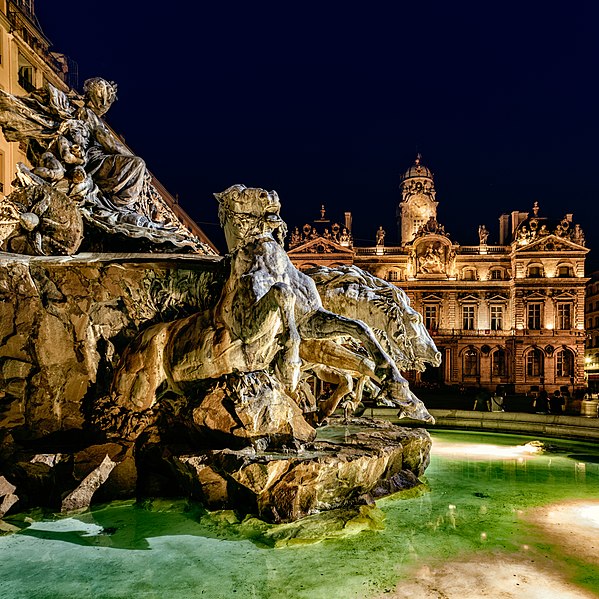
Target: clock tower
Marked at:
418, 203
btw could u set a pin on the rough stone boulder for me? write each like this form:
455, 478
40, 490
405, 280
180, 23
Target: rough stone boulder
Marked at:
251, 408
7, 495
348, 465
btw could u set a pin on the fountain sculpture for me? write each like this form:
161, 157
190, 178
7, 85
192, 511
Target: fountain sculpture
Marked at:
157, 373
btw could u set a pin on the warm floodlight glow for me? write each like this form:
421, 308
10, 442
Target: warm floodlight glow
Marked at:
485, 451
589, 514
549, 326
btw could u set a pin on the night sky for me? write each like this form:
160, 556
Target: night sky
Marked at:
329, 104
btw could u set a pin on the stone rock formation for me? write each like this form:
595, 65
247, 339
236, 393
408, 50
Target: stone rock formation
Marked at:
379, 459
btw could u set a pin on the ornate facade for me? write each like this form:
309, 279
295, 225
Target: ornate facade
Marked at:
26, 63
510, 314
592, 324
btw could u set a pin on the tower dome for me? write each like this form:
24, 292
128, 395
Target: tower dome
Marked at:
417, 170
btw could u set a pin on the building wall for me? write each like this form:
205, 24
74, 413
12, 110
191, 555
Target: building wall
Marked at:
509, 314
592, 328
25, 63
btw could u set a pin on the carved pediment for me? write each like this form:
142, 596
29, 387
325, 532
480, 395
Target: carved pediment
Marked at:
320, 245
466, 296
496, 297
564, 295
432, 297
549, 243
534, 294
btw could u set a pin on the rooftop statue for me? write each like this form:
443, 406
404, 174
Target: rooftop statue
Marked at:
81, 170
269, 317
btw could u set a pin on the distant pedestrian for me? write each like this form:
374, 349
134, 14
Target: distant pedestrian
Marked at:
542, 405
556, 403
481, 401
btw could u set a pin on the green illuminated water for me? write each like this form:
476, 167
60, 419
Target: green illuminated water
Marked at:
482, 492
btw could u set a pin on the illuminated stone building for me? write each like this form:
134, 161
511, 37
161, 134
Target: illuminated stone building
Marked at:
510, 314
592, 325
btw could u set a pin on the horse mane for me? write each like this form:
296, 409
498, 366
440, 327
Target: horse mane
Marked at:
388, 300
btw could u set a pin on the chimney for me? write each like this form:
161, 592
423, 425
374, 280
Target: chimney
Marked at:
517, 218
348, 221
504, 229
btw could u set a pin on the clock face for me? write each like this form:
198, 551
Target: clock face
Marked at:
420, 204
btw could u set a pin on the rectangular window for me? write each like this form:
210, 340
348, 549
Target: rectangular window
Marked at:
418, 222
496, 275
534, 316
496, 318
468, 318
393, 275
564, 316
431, 315
26, 74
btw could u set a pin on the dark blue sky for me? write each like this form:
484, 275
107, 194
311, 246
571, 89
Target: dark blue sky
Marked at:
329, 104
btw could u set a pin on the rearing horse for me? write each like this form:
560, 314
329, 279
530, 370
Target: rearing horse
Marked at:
269, 314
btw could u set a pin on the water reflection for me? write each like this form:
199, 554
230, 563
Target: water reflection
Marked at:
494, 509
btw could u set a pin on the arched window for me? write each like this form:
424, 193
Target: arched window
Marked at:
496, 274
393, 275
469, 274
535, 271
498, 363
565, 270
564, 363
534, 363
470, 363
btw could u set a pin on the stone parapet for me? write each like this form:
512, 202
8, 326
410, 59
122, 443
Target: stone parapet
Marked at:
547, 425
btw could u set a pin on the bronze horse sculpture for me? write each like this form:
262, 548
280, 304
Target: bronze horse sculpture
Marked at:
269, 316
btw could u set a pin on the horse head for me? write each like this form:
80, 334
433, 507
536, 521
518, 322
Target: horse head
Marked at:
246, 213
353, 292
424, 348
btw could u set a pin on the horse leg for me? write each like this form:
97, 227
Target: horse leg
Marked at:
325, 325
334, 363
349, 406
344, 383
